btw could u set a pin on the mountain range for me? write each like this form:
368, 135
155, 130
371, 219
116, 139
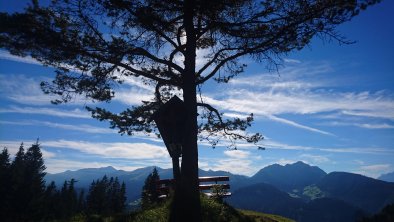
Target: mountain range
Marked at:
298, 191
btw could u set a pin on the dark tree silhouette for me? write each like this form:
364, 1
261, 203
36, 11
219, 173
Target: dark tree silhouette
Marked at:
34, 177
24, 196
118, 196
149, 194
68, 200
96, 197
5, 183
97, 44
18, 204
52, 203
27, 185
106, 197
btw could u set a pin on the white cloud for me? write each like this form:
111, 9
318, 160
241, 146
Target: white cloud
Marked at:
237, 154
7, 56
315, 159
275, 103
133, 96
292, 61
134, 151
270, 144
376, 126
13, 147
292, 123
361, 125
233, 165
302, 89
148, 155
112, 150
74, 113
23, 90
137, 82
235, 115
376, 167
79, 127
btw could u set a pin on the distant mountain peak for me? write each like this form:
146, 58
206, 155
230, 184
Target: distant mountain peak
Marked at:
291, 176
108, 168
301, 163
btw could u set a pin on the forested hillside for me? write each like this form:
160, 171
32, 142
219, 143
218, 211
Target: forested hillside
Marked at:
26, 197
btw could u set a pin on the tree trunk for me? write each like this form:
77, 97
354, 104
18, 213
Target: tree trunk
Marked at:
186, 206
176, 171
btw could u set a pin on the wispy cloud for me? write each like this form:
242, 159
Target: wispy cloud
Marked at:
233, 165
26, 90
302, 89
315, 159
237, 154
13, 147
133, 96
235, 161
134, 151
74, 113
248, 105
28, 60
112, 150
292, 123
23, 90
292, 61
276, 103
376, 167
76, 127
270, 144
361, 125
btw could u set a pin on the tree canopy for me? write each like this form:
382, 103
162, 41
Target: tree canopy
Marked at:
97, 44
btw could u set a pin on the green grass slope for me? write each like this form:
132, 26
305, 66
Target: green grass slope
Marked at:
213, 211
261, 217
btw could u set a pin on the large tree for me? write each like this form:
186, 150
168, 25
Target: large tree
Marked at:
96, 44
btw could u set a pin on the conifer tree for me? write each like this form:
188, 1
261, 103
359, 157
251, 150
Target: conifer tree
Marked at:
52, 203
5, 183
19, 186
150, 195
115, 193
35, 173
68, 199
96, 198
106, 197
81, 202
121, 205
27, 184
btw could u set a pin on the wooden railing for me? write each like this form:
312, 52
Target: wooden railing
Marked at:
214, 186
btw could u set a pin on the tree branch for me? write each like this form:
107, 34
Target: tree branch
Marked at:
133, 70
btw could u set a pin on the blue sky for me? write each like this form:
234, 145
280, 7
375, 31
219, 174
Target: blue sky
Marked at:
330, 105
